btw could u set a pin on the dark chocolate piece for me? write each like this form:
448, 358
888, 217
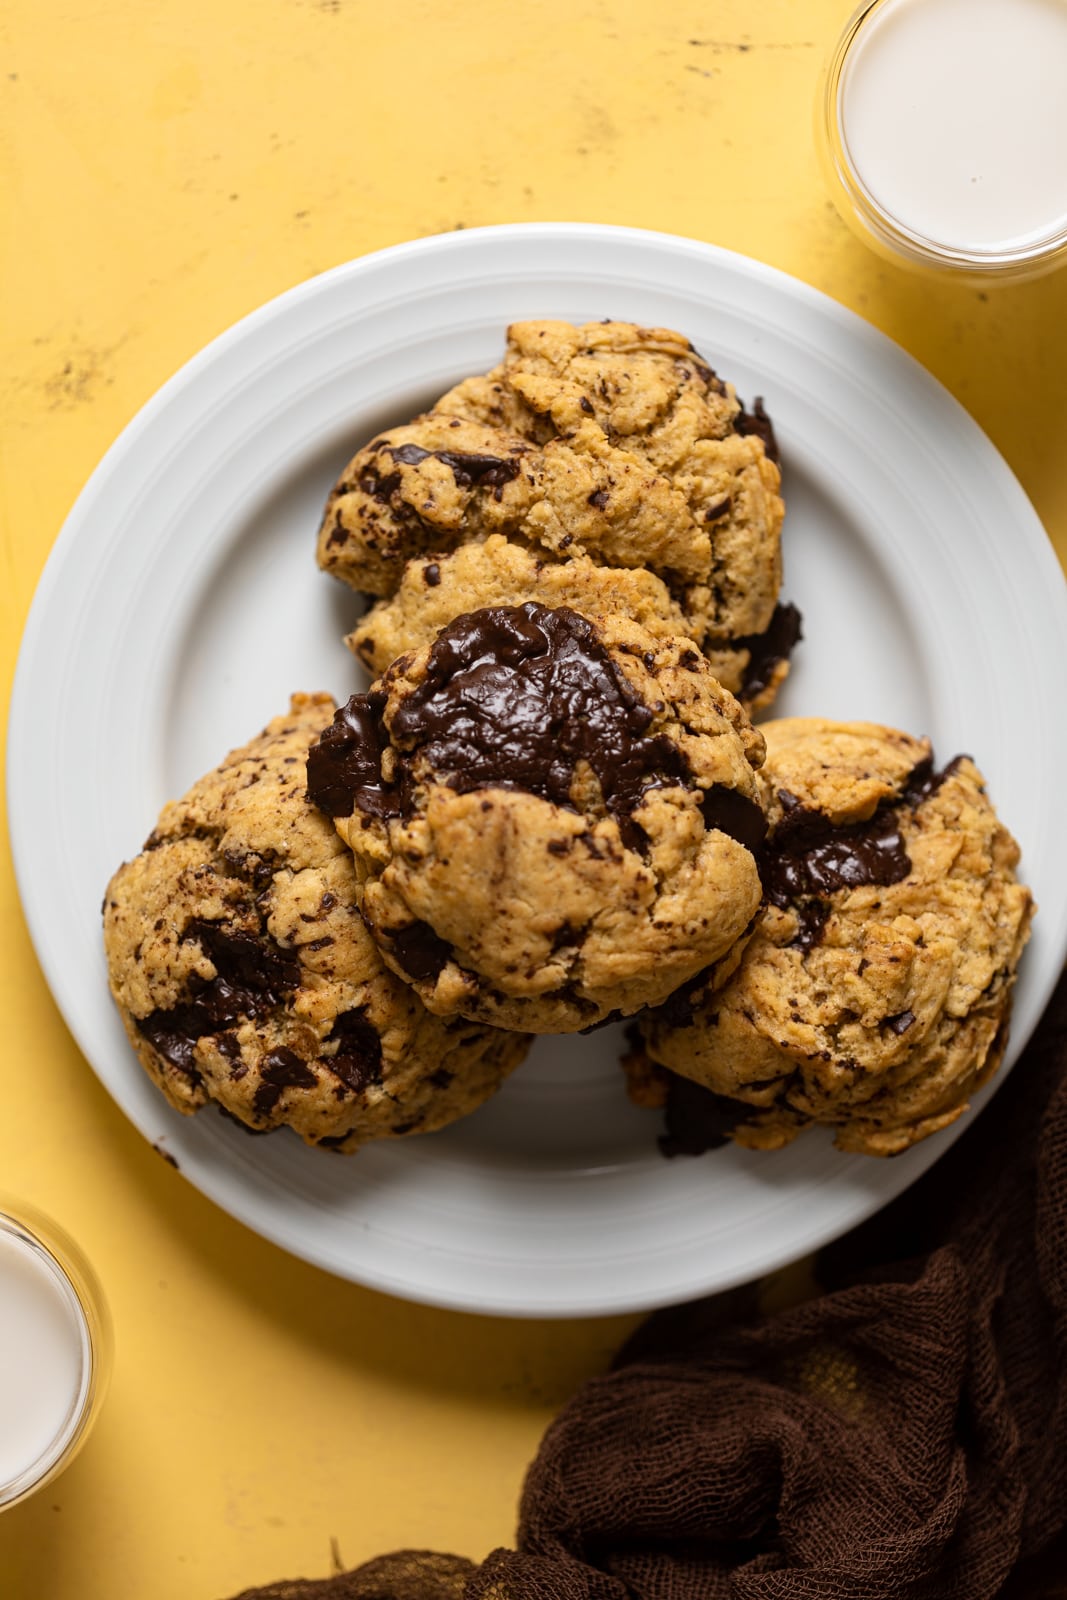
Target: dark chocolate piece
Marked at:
735, 814
516, 696
282, 1069
696, 1119
253, 973
344, 766
252, 965
923, 781
900, 1023
811, 918
358, 1059
681, 1008
468, 468
810, 855
766, 649
418, 949
379, 485
758, 422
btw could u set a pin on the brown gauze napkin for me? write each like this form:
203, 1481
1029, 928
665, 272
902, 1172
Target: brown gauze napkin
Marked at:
905, 1434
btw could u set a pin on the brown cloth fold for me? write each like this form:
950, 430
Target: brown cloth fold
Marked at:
903, 1435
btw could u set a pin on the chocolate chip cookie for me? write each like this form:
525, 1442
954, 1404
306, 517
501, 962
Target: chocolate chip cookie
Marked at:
245, 975
553, 819
611, 444
434, 590
875, 995
608, 395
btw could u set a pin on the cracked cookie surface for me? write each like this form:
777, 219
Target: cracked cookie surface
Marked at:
244, 973
435, 590
611, 443
553, 820
875, 994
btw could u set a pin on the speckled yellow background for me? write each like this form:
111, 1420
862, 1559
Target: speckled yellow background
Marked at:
167, 165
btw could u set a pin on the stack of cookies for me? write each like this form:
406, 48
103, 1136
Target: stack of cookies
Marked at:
552, 808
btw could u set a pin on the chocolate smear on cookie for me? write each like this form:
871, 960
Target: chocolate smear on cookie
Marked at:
252, 975
517, 696
767, 649
808, 857
344, 767
808, 854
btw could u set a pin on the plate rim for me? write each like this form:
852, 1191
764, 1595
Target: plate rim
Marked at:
458, 243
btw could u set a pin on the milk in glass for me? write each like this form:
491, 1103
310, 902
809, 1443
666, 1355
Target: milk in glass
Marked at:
952, 115
45, 1362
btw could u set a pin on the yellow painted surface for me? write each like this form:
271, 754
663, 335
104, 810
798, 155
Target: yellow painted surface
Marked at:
167, 165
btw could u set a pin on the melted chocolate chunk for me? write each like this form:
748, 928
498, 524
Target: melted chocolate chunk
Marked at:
811, 918
344, 767
420, 952
517, 696
810, 855
173, 1035
468, 468
680, 1009
282, 1069
923, 781
599, 498
431, 574
696, 1119
253, 966
253, 973
766, 649
734, 814
358, 1059
514, 697
379, 485
758, 422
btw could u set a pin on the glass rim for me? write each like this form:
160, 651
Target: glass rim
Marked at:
880, 221
71, 1274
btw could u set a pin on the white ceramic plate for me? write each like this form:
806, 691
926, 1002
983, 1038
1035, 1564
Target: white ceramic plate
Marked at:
182, 605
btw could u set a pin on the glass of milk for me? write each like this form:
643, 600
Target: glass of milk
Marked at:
944, 125
54, 1351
